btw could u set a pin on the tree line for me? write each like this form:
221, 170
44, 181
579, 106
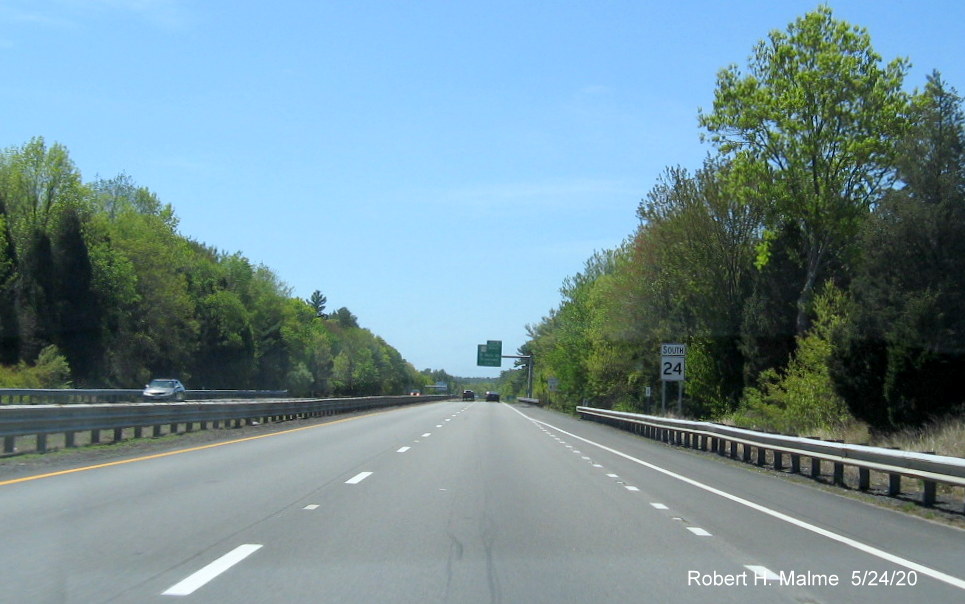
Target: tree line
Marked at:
99, 289
814, 264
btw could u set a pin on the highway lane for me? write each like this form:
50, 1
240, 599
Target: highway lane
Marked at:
450, 502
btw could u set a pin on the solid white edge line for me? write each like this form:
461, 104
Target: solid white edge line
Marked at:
868, 549
358, 478
194, 581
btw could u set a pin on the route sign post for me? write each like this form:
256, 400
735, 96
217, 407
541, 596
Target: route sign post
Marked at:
673, 369
490, 354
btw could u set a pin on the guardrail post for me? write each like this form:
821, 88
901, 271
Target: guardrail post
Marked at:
761, 456
733, 449
864, 479
795, 464
41, 443
156, 431
747, 453
118, 434
778, 461
138, 431
95, 437
815, 467
9, 444
839, 473
69, 439
928, 492
894, 484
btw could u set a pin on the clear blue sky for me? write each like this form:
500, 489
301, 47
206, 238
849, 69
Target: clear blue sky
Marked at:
437, 167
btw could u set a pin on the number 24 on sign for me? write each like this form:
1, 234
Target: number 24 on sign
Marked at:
672, 369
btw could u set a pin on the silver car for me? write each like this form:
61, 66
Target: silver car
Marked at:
166, 389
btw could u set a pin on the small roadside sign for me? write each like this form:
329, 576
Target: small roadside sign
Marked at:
672, 365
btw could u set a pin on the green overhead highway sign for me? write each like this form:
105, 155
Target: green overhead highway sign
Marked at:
490, 354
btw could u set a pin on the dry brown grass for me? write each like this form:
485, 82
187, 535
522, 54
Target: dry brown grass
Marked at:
942, 437
945, 437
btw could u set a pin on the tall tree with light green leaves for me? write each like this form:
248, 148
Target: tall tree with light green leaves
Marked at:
813, 125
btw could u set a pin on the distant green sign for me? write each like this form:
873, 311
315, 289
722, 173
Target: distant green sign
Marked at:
490, 354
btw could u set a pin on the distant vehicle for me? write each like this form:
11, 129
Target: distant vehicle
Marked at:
468, 395
415, 393
492, 397
166, 389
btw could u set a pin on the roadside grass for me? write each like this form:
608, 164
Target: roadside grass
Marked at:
942, 437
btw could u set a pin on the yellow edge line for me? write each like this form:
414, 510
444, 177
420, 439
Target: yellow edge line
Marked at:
179, 451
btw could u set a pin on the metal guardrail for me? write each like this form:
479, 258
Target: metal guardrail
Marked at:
68, 396
754, 446
43, 420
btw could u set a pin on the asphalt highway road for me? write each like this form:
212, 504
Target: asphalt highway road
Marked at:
457, 502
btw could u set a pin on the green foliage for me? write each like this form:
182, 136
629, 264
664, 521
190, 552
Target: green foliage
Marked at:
900, 358
812, 127
827, 172
100, 271
801, 398
49, 371
318, 302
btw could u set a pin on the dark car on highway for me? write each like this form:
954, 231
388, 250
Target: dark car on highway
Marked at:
492, 397
468, 395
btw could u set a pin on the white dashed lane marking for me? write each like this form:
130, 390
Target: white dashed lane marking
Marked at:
193, 582
763, 572
358, 478
698, 531
311, 506
403, 449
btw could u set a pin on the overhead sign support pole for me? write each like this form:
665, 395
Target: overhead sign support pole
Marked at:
529, 367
